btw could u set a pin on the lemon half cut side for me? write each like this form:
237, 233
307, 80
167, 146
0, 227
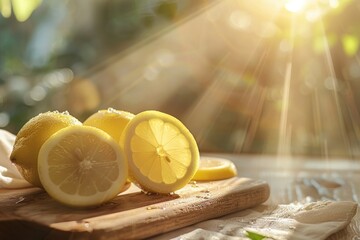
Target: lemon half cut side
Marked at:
162, 153
82, 166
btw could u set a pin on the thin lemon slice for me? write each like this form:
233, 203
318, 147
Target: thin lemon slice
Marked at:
162, 153
82, 166
212, 168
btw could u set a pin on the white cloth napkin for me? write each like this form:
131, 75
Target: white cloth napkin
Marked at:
296, 221
9, 175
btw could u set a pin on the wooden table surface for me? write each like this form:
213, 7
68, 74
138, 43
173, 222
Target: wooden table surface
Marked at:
298, 179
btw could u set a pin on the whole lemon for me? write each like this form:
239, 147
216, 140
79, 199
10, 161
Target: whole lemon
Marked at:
111, 121
31, 137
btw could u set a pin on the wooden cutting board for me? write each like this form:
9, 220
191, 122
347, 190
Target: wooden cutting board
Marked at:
31, 213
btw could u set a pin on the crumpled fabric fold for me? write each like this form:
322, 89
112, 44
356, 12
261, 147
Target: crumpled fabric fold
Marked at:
295, 221
10, 177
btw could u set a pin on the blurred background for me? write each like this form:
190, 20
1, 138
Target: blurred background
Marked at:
255, 77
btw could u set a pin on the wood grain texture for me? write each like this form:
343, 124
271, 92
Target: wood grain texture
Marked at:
131, 215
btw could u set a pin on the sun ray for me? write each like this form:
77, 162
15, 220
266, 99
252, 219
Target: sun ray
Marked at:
283, 144
319, 131
340, 116
253, 123
205, 109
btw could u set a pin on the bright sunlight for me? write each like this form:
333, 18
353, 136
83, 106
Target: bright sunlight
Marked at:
296, 5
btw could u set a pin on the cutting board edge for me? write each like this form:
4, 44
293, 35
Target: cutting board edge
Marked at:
257, 189
262, 191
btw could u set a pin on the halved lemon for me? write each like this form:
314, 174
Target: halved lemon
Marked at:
212, 168
82, 166
162, 153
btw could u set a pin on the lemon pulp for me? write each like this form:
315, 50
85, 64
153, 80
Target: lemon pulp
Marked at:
162, 154
82, 166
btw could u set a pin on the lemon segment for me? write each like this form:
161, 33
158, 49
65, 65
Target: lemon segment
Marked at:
32, 136
110, 120
162, 153
82, 166
212, 168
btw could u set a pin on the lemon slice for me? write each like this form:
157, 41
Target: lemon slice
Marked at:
215, 169
82, 166
162, 153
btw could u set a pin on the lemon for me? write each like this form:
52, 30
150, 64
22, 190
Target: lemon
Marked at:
82, 166
111, 121
215, 169
31, 137
162, 153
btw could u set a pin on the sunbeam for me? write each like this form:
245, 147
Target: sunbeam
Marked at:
284, 145
334, 85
